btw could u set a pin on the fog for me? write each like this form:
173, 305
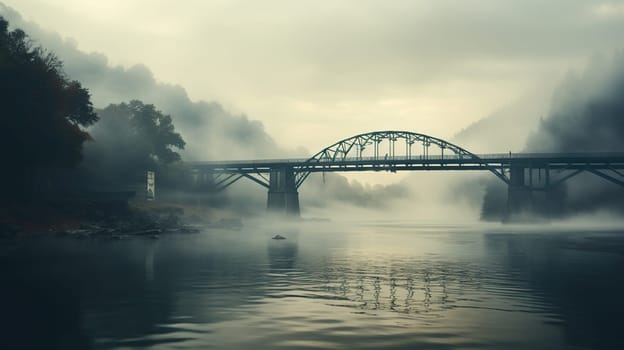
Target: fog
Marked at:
210, 131
399, 237
584, 115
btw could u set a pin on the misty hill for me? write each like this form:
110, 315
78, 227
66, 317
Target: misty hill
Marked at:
586, 114
587, 110
209, 129
506, 129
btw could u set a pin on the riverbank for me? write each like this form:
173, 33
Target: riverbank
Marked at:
81, 218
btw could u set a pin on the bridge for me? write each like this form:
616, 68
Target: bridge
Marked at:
409, 151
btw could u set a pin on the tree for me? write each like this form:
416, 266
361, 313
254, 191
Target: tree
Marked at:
130, 139
41, 113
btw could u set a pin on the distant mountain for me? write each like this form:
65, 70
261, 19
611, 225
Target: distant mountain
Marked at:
507, 129
210, 131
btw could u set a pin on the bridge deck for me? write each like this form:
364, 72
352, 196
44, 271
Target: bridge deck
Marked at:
522, 172
605, 160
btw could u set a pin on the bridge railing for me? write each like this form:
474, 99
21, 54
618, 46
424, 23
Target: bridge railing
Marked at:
571, 155
488, 156
484, 157
253, 161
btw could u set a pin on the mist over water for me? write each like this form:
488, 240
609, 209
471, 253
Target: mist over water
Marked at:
585, 115
377, 259
328, 285
210, 129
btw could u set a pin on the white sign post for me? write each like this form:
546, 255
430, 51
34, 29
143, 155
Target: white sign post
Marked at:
151, 186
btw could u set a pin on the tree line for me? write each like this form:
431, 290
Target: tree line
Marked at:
52, 138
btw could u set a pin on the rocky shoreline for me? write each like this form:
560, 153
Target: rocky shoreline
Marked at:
108, 220
93, 222
123, 229
132, 224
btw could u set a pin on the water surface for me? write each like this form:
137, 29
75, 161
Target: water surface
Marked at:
327, 286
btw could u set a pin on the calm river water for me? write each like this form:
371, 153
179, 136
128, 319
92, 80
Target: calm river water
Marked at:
327, 286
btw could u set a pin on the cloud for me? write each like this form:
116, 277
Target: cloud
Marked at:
211, 131
321, 188
586, 115
587, 110
318, 72
513, 124
609, 10
304, 65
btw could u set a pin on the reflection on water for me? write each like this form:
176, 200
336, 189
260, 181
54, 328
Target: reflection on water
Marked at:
325, 286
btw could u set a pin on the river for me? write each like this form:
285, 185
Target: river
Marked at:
326, 286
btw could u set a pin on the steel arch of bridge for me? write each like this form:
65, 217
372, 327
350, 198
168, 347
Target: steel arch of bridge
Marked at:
522, 172
353, 148
526, 171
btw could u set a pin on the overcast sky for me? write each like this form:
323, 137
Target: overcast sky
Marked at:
317, 71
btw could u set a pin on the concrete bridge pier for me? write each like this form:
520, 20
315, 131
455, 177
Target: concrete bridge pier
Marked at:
519, 196
203, 180
283, 197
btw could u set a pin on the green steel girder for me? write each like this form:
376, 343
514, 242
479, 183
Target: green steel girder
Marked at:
342, 149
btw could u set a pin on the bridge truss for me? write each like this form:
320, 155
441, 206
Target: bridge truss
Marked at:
408, 151
413, 149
